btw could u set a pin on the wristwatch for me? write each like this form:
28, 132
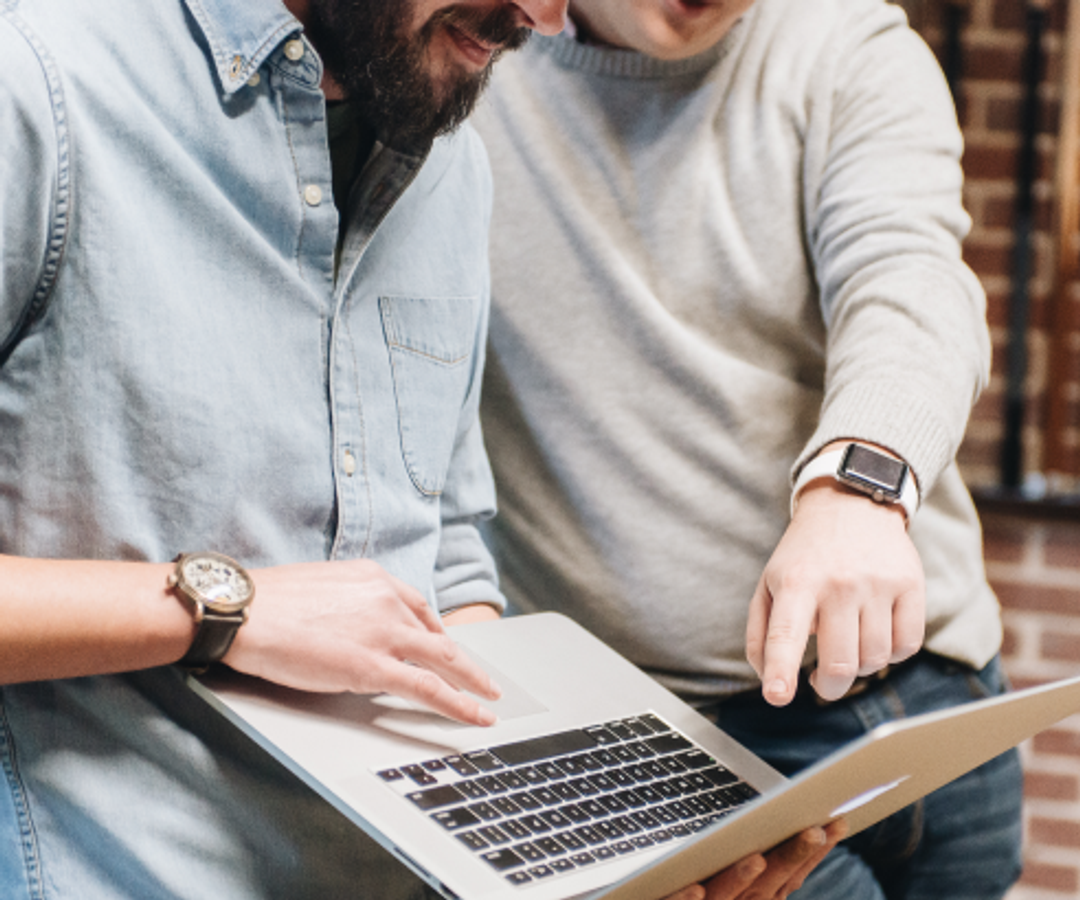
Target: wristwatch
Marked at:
883, 478
219, 591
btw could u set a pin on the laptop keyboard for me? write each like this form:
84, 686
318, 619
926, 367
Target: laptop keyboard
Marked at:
546, 806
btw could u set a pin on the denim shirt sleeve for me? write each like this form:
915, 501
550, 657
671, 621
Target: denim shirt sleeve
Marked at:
465, 570
33, 178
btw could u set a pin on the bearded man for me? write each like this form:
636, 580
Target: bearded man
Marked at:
215, 335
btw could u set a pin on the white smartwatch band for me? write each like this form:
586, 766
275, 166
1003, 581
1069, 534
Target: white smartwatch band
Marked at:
831, 464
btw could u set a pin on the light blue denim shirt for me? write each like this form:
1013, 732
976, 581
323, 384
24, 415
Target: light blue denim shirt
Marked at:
184, 372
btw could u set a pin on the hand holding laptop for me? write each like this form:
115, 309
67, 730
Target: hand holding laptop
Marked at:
773, 875
351, 626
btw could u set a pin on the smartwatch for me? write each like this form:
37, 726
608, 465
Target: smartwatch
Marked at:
883, 478
219, 592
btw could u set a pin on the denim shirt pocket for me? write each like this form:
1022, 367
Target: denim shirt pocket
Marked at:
431, 343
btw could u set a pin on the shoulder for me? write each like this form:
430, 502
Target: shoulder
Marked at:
459, 162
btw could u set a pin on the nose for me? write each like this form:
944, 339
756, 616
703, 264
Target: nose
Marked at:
545, 16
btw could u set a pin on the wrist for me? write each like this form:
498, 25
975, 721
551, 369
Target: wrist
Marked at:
864, 469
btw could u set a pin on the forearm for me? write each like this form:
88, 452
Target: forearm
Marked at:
64, 619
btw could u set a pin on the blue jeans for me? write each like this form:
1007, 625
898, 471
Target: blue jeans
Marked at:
961, 842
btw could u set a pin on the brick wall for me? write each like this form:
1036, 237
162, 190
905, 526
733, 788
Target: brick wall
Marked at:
990, 96
1032, 551
1033, 560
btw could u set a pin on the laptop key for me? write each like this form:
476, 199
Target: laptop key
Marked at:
472, 840
541, 871
506, 806
545, 796
545, 747
526, 800
419, 775
515, 829
502, 859
655, 722
519, 878
669, 743
601, 735
484, 810
696, 759
491, 784
550, 770
436, 797
720, 776
529, 852
589, 835
550, 846
562, 865
461, 766
584, 787
535, 824
471, 789
493, 834
483, 760
574, 813
621, 730
570, 840
452, 819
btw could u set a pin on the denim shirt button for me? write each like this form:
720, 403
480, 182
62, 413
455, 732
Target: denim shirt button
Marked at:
294, 50
313, 195
349, 463
254, 80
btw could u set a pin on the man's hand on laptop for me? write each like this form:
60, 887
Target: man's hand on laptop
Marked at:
773, 875
846, 571
351, 626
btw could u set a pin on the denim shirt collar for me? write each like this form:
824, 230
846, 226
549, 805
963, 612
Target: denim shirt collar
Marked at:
242, 34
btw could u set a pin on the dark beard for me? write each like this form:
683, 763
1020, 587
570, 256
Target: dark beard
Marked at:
364, 44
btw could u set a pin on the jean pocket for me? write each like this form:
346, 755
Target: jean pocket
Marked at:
431, 343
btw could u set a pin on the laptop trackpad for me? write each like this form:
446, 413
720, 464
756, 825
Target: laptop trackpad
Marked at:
514, 702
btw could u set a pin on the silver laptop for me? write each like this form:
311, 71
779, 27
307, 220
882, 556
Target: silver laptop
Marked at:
596, 782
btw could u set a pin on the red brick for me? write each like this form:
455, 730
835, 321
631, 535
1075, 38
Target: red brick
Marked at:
1054, 878
993, 62
1055, 645
1051, 786
988, 258
994, 163
1063, 544
1056, 832
1038, 598
1057, 742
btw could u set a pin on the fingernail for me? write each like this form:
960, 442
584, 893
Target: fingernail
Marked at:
751, 868
494, 691
776, 688
487, 717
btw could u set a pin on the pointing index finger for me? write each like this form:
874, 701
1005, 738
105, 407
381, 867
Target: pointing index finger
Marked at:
791, 620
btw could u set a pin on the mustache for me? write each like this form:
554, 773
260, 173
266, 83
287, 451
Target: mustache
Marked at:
498, 27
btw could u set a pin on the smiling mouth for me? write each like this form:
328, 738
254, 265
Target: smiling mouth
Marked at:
477, 52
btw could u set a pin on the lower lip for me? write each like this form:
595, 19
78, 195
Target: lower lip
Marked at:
475, 53
689, 9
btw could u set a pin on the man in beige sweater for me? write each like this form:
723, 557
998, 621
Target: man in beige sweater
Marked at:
726, 248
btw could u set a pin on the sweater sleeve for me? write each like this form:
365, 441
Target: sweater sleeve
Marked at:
908, 347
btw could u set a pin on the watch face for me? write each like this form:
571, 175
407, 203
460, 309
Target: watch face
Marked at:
217, 581
873, 471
